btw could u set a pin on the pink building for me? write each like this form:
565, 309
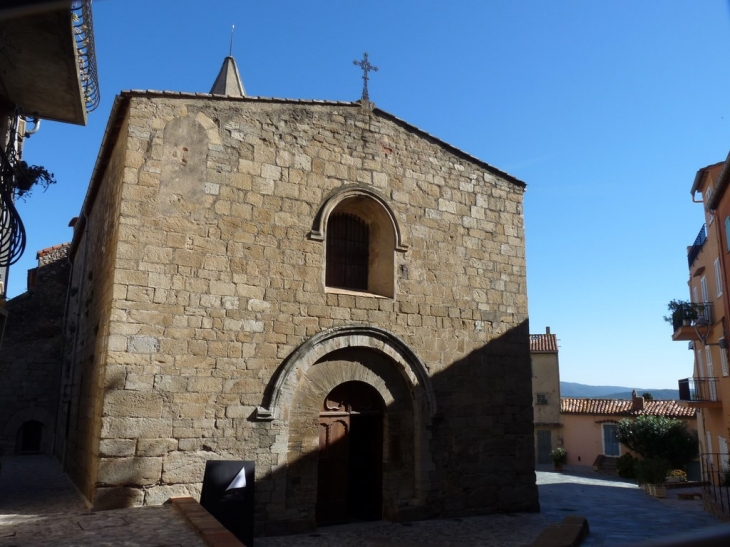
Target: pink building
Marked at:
589, 425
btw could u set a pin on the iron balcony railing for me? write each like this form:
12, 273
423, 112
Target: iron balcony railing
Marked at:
699, 390
697, 245
716, 475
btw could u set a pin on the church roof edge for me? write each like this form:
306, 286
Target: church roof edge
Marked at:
121, 103
453, 149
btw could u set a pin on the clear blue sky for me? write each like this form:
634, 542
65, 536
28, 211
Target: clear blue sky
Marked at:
605, 109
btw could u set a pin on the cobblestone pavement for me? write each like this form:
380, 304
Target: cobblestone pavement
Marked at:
618, 512
38, 506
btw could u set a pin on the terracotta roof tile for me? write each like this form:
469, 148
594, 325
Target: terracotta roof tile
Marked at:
623, 407
543, 343
47, 250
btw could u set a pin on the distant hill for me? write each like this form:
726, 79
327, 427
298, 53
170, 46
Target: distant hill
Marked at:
573, 389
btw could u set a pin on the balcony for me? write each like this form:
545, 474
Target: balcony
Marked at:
48, 61
700, 392
696, 247
686, 329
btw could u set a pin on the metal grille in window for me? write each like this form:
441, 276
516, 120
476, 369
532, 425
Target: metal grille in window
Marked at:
348, 244
541, 399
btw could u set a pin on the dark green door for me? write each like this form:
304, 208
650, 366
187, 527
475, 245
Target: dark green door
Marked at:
544, 446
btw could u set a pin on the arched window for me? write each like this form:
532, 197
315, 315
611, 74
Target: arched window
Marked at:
348, 252
361, 237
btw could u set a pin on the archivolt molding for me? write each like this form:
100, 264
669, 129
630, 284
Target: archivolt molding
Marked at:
280, 394
320, 220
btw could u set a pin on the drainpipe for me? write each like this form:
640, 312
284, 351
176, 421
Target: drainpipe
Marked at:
36, 127
74, 347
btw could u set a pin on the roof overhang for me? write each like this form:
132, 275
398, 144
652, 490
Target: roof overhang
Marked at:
699, 177
39, 63
720, 185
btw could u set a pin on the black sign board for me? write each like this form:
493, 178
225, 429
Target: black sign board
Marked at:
228, 495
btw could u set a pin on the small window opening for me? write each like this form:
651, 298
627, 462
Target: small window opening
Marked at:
348, 248
542, 399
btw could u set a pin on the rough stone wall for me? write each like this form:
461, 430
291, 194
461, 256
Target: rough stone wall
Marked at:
216, 282
30, 357
89, 313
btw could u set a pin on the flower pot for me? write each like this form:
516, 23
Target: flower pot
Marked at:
673, 479
558, 466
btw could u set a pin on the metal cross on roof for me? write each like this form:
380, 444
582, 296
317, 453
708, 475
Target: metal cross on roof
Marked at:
366, 67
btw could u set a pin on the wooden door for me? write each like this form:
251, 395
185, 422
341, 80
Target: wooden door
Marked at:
366, 456
349, 479
334, 467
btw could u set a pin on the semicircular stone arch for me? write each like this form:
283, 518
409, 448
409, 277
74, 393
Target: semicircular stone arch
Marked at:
377, 207
331, 358
278, 402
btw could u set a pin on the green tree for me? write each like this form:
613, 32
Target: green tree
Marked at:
661, 438
647, 396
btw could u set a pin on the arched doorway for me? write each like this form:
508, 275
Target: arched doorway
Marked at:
29, 438
350, 478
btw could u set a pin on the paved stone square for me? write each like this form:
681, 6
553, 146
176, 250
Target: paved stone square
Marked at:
39, 506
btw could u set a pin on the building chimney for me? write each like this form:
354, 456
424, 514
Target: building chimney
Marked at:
637, 403
547, 330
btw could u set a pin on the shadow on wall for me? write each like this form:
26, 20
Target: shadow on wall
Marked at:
364, 443
355, 427
30, 362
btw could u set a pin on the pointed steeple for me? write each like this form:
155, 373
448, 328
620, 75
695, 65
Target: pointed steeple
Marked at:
228, 81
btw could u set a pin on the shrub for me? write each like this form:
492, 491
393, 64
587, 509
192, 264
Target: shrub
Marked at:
652, 470
658, 437
626, 466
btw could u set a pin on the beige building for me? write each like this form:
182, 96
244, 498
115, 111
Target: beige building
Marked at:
316, 286
546, 394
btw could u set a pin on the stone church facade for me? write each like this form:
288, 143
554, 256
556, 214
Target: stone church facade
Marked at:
316, 286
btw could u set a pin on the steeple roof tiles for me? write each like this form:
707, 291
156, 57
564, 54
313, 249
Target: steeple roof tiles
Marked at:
228, 82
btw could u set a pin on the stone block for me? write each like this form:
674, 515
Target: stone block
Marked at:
131, 428
129, 471
137, 404
155, 447
185, 467
116, 497
117, 447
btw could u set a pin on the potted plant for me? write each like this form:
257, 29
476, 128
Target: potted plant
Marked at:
676, 475
559, 456
653, 472
682, 312
26, 176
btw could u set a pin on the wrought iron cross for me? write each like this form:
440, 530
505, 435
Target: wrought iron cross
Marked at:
366, 67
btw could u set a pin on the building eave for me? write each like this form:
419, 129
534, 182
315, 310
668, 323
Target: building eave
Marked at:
41, 69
